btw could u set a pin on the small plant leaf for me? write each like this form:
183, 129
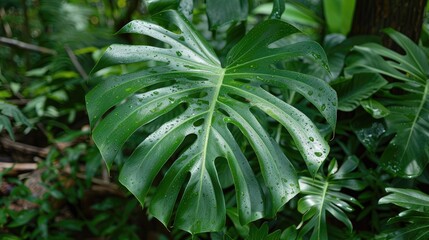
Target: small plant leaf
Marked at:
407, 198
375, 108
322, 196
352, 91
220, 12
8, 111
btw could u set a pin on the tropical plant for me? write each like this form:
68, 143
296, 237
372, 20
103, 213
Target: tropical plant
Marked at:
8, 111
323, 195
202, 114
339, 15
408, 112
201, 107
416, 217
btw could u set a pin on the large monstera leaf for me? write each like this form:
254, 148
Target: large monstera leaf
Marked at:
189, 76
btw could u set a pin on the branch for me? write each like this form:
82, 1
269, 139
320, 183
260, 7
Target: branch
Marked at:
76, 63
17, 43
23, 148
18, 166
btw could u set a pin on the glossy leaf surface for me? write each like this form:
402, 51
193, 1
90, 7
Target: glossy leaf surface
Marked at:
408, 121
209, 100
220, 12
339, 15
322, 195
407, 198
416, 217
375, 108
360, 87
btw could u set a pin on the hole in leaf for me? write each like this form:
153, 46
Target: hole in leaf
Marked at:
278, 92
238, 98
155, 124
187, 142
196, 78
189, 66
182, 186
242, 80
199, 122
160, 84
299, 64
181, 150
265, 87
166, 23
198, 95
150, 41
288, 40
395, 91
223, 112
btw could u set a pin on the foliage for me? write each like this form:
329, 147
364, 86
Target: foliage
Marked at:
323, 195
416, 216
216, 97
54, 184
408, 118
11, 111
339, 15
353, 91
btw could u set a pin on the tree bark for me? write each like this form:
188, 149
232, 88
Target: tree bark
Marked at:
371, 16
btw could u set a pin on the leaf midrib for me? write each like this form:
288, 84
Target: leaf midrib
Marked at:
424, 97
207, 131
322, 207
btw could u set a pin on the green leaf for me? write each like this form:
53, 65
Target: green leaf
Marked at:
243, 230
11, 111
360, 87
323, 195
22, 217
289, 233
337, 47
221, 12
278, 9
155, 6
408, 121
210, 101
407, 198
375, 108
408, 152
368, 132
7, 236
261, 233
296, 13
416, 218
184, 6
70, 225
339, 15
5, 123
417, 226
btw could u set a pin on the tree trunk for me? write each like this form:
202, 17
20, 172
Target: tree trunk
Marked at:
371, 16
